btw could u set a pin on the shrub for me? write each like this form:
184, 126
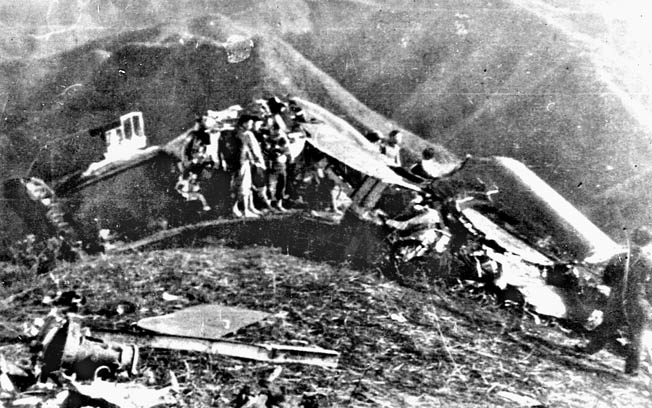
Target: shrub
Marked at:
41, 256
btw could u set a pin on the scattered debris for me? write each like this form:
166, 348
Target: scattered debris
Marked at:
6, 385
105, 394
482, 236
14, 377
67, 348
69, 354
170, 298
398, 317
272, 353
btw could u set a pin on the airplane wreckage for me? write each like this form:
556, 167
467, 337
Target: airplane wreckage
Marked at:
503, 223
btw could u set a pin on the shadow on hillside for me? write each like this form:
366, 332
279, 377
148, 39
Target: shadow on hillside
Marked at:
295, 233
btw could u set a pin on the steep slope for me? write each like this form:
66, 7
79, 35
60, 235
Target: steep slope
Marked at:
495, 78
400, 347
170, 72
512, 78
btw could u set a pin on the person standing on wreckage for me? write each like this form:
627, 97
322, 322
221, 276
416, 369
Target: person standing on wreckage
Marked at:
630, 277
427, 167
392, 148
248, 156
259, 167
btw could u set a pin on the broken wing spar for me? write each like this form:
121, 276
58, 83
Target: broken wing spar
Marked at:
201, 328
272, 353
340, 125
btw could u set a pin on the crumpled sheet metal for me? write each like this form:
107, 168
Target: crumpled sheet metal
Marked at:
535, 211
341, 141
346, 150
509, 242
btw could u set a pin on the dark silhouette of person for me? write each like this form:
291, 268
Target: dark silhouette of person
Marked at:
630, 277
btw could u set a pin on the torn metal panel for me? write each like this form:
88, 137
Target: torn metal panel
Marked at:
533, 210
509, 242
99, 393
206, 321
543, 299
518, 265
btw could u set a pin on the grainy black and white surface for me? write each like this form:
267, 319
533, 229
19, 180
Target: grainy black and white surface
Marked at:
563, 86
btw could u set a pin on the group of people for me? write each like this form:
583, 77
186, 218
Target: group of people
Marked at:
252, 145
262, 167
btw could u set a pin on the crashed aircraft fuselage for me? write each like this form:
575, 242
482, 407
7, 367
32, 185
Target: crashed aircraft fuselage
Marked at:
524, 218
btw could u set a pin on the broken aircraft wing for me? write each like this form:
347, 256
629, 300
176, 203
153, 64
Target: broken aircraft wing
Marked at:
341, 141
531, 209
340, 125
507, 241
342, 148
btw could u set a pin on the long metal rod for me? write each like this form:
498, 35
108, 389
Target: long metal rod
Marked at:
272, 353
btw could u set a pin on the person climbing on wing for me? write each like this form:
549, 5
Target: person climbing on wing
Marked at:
375, 138
392, 148
427, 167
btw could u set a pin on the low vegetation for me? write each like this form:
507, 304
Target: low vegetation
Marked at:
424, 345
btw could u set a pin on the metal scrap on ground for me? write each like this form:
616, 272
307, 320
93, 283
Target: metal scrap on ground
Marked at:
272, 353
203, 321
200, 328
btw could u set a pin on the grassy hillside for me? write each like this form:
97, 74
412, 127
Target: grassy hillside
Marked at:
399, 346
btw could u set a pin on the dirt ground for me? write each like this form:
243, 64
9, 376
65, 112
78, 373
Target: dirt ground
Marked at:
400, 347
